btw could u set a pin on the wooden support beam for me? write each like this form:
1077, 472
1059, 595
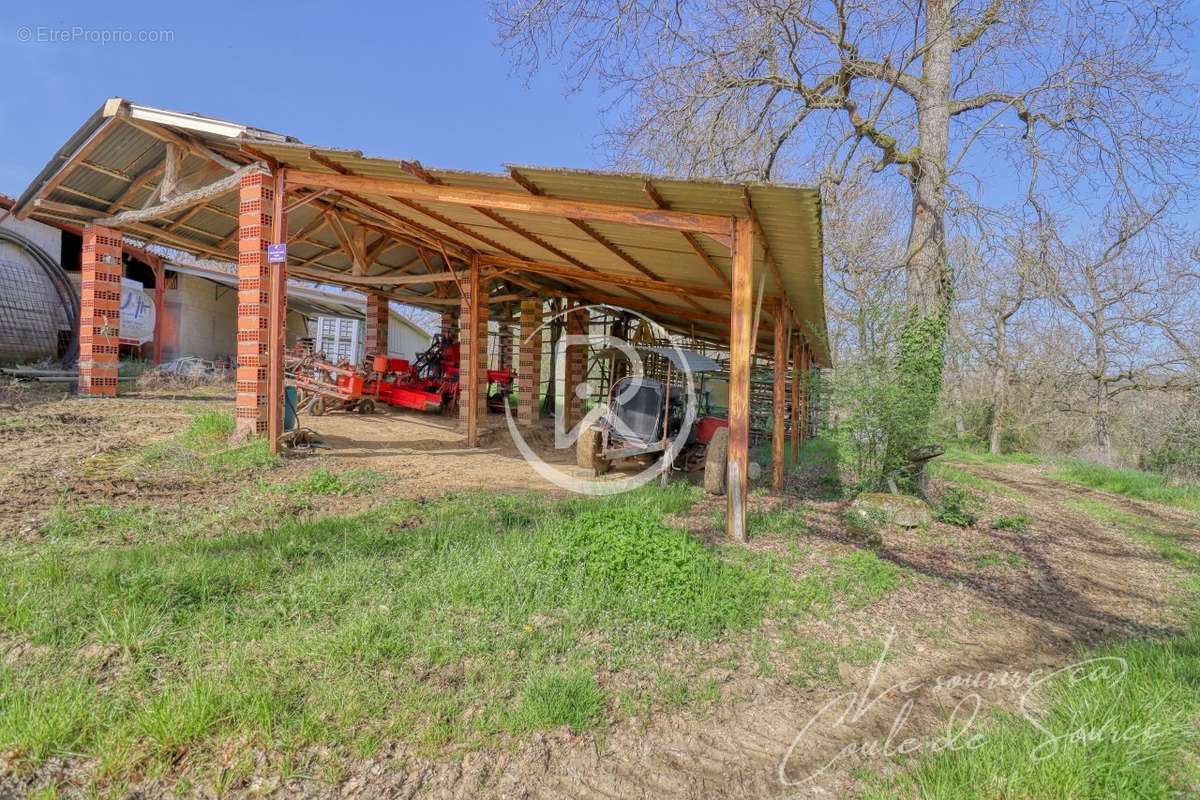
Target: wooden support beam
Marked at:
141, 180
160, 307
374, 280
418, 171
779, 396
473, 348
768, 256
738, 475
277, 318
513, 201
796, 398
184, 201
805, 363
185, 142
172, 160
671, 287
689, 237
85, 150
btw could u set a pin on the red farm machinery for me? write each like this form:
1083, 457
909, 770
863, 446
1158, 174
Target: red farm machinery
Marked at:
429, 383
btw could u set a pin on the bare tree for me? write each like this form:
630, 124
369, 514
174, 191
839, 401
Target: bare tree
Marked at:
1131, 295
997, 283
1087, 98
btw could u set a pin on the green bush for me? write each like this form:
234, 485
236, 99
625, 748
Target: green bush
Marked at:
673, 580
1016, 522
954, 507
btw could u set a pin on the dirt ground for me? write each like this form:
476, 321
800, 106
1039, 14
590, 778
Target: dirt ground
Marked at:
986, 611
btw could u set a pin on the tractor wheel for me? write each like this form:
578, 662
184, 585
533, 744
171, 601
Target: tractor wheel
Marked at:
317, 406
715, 462
587, 452
366, 406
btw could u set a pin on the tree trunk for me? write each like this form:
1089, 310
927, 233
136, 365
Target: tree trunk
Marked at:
927, 274
923, 337
999, 387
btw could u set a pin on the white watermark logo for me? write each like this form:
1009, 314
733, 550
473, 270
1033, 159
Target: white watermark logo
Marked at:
79, 34
874, 723
607, 416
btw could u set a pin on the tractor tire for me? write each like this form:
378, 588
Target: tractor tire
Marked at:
716, 462
587, 452
317, 406
366, 406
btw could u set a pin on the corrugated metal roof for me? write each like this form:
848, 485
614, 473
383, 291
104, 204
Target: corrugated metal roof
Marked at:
130, 148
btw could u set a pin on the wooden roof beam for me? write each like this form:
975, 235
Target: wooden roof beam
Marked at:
691, 238
79, 155
512, 201
414, 168
559, 270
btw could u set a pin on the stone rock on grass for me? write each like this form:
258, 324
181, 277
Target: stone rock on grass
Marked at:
894, 509
862, 526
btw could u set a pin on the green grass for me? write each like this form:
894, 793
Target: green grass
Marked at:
964, 478
1123, 727
1166, 543
1129, 482
965, 455
1104, 735
201, 449
462, 621
1012, 522
322, 481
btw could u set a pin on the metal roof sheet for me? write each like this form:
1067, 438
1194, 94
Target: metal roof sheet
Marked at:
122, 145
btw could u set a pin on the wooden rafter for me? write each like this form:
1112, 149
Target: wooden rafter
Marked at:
81, 154
558, 270
183, 201
414, 168
691, 238
513, 201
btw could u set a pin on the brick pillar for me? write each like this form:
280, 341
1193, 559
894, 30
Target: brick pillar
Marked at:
578, 320
504, 341
100, 311
377, 324
253, 324
529, 362
472, 355
449, 324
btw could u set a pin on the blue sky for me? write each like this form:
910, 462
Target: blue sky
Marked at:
405, 79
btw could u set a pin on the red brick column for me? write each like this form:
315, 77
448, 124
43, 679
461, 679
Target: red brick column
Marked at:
529, 362
100, 311
253, 324
449, 324
473, 362
578, 322
377, 324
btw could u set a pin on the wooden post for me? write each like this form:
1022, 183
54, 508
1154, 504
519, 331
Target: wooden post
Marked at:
740, 319
805, 358
160, 307
797, 399
472, 373
779, 396
277, 317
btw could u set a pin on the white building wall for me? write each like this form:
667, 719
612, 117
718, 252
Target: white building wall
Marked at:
403, 340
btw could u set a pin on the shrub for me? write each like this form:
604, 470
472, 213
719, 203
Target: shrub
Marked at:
954, 507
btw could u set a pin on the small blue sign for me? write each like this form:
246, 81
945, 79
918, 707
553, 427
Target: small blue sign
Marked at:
277, 253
